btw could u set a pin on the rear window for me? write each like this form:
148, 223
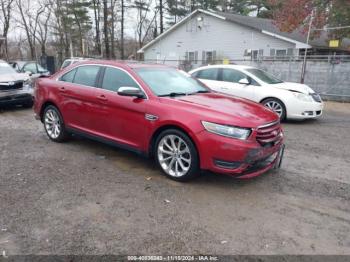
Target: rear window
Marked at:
86, 75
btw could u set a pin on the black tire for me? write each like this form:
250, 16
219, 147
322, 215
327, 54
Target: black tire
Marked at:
193, 170
63, 134
283, 113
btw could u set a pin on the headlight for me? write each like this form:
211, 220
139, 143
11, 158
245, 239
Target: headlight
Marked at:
303, 97
229, 131
28, 83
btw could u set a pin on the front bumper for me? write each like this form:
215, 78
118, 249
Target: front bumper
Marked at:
241, 159
305, 110
15, 97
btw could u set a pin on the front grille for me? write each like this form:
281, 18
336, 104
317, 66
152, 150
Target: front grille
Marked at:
11, 86
316, 97
269, 134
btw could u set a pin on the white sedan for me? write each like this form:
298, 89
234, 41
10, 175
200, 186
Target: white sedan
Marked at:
288, 100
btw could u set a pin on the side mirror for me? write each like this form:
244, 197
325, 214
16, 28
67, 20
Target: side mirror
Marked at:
28, 73
244, 81
130, 91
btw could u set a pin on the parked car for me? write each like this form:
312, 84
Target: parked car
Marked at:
72, 61
15, 88
288, 100
32, 68
162, 112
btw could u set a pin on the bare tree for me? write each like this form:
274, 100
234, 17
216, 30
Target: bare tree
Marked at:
5, 18
144, 19
29, 21
43, 29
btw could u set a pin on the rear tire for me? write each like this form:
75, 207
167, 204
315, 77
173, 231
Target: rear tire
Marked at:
176, 155
277, 106
54, 124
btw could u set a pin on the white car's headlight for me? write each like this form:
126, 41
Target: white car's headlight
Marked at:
303, 97
28, 83
228, 131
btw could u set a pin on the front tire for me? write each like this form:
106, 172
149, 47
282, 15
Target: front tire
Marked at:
277, 106
177, 155
54, 125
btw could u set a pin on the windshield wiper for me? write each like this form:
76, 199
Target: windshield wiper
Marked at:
173, 94
201, 92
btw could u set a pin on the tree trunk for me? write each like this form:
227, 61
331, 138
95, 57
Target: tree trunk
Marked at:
105, 28
122, 31
161, 16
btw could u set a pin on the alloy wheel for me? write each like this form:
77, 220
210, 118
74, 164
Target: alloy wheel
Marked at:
275, 106
174, 155
52, 123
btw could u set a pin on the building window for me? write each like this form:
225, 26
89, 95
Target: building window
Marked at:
192, 57
208, 57
281, 52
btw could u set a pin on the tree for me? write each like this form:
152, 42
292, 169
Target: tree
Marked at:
293, 14
29, 21
96, 6
5, 18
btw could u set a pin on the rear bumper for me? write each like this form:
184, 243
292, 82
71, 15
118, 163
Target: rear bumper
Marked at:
241, 159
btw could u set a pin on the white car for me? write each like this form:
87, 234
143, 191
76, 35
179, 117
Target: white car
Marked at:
288, 100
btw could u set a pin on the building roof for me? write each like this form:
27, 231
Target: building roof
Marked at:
265, 26
270, 26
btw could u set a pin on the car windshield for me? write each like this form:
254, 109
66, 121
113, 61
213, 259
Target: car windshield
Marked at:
6, 69
170, 81
41, 69
263, 76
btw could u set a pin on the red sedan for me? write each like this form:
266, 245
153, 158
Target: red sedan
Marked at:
163, 113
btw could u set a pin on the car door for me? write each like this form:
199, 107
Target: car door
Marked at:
121, 118
209, 76
230, 84
77, 90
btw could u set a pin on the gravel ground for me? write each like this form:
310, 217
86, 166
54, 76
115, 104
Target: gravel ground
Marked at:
83, 197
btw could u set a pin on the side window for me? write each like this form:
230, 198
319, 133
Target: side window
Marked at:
68, 77
210, 74
114, 79
31, 67
86, 75
231, 75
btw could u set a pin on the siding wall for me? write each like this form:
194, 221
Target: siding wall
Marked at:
229, 40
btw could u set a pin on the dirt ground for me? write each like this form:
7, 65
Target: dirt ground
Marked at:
83, 197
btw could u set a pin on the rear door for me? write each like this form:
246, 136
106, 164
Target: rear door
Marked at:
77, 89
121, 118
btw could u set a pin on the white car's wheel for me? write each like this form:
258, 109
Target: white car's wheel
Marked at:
275, 105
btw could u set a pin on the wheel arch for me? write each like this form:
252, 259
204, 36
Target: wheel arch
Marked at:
46, 104
164, 127
273, 97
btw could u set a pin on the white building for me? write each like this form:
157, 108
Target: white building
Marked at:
205, 36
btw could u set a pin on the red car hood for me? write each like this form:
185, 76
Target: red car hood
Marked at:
224, 109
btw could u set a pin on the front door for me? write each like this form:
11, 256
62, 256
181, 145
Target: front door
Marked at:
121, 118
230, 84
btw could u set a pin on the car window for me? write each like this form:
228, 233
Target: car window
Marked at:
86, 75
68, 77
65, 64
264, 76
31, 67
114, 79
231, 75
209, 74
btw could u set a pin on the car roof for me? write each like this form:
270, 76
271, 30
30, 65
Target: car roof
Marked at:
241, 67
124, 64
